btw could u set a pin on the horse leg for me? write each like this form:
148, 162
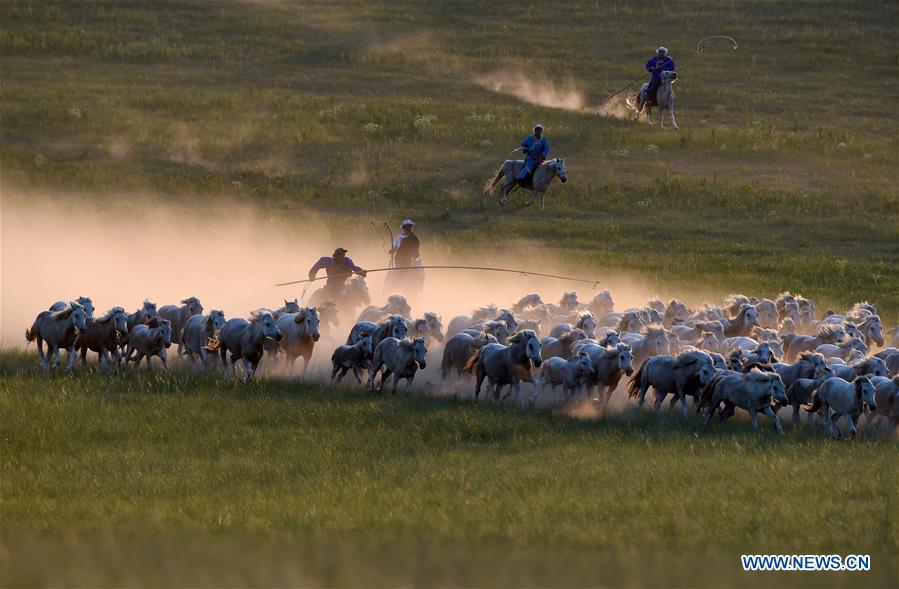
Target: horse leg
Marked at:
773, 416
45, 361
683, 399
533, 198
480, 381
642, 395
516, 387
660, 396
753, 418
223, 353
305, 367
385, 374
162, 356
542, 199
247, 370
853, 431
408, 385
835, 420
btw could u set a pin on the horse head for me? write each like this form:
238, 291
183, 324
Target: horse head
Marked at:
864, 392
268, 325
625, 358
309, 317
561, 172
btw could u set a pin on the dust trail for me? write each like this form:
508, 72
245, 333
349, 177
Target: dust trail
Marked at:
230, 255
544, 92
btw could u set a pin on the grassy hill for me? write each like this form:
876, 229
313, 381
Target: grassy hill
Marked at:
781, 177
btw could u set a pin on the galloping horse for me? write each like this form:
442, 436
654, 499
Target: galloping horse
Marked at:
664, 100
543, 175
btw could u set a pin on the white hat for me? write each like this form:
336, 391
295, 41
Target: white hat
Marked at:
538, 126
407, 222
662, 48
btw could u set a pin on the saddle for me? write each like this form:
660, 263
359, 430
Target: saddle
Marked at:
528, 181
650, 98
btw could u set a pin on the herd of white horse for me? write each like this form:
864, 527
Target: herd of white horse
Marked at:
759, 355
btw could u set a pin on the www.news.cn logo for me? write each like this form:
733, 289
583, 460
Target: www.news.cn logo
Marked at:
806, 562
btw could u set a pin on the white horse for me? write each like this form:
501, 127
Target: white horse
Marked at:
58, 329
543, 175
664, 100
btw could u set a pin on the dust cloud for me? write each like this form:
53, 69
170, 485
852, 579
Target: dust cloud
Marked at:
545, 92
230, 255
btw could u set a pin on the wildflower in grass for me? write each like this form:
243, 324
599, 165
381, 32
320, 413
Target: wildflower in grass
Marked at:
371, 127
424, 121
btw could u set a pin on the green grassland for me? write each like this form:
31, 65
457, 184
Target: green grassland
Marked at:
432, 489
782, 176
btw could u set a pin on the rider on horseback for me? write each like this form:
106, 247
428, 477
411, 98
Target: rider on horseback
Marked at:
405, 246
657, 64
338, 268
535, 149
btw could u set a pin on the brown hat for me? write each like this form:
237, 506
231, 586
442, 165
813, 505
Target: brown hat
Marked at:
339, 251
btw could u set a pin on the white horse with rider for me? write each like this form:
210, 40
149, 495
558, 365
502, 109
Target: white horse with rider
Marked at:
540, 181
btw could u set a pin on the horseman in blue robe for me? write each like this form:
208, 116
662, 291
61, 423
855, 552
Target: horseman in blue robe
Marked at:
535, 149
661, 62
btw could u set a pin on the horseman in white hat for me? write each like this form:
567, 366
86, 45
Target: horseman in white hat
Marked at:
660, 62
405, 250
535, 149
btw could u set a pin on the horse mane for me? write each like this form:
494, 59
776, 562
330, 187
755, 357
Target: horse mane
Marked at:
148, 304
67, 311
523, 335
759, 377
828, 330
255, 316
767, 334
735, 298
867, 363
863, 308
654, 331
688, 358
153, 322
757, 367
608, 352
572, 336
190, 300
604, 340
810, 356
110, 314
207, 321
583, 317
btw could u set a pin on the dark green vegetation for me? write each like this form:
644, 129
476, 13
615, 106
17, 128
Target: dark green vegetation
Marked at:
782, 176
440, 491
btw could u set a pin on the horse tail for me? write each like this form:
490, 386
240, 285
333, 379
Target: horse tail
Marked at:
633, 387
31, 334
445, 365
473, 361
490, 185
